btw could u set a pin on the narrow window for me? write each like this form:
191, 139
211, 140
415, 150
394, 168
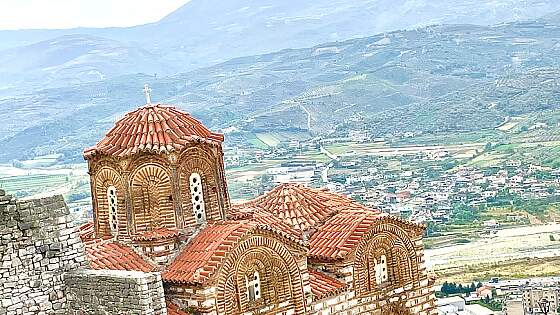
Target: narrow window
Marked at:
381, 272
253, 287
384, 271
112, 202
197, 198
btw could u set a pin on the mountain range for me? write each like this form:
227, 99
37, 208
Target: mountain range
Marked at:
63, 93
205, 32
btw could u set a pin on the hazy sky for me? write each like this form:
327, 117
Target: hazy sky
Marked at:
18, 14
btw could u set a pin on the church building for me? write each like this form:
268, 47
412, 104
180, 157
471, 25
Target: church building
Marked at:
161, 204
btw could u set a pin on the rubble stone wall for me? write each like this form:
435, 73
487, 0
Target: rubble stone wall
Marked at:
38, 243
115, 292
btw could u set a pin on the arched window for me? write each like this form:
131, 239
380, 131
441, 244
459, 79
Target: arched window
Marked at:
253, 287
197, 198
112, 202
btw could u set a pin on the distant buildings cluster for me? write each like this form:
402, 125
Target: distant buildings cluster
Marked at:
426, 185
517, 297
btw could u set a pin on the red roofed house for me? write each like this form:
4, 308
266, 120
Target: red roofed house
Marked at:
161, 204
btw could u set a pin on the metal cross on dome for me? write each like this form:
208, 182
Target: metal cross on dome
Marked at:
147, 92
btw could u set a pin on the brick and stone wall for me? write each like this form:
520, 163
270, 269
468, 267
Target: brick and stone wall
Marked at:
38, 243
115, 292
415, 301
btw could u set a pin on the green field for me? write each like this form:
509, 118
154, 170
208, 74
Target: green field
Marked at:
265, 140
32, 182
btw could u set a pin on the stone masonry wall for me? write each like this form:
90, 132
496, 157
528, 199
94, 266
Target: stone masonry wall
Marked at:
115, 292
38, 243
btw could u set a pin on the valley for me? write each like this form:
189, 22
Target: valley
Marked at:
452, 79
456, 126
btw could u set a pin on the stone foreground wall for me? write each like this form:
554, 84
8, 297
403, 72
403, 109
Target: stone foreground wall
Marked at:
115, 292
38, 243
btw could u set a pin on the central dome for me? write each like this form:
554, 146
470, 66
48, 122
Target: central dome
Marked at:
154, 128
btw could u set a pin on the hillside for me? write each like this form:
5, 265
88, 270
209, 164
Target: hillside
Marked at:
205, 32
73, 59
442, 78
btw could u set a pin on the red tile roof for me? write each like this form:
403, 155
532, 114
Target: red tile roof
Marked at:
341, 233
86, 231
248, 212
163, 233
205, 253
173, 309
303, 207
115, 256
202, 256
153, 128
323, 285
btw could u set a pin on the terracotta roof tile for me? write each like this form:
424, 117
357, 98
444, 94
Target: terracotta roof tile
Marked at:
198, 261
87, 231
115, 256
303, 207
341, 233
205, 253
248, 212
323, 285
153, 128
163, 233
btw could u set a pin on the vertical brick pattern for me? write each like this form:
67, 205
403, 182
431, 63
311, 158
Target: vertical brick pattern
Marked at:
106, 177
115, 292
152, 198
153, 189
199, 160
38, 243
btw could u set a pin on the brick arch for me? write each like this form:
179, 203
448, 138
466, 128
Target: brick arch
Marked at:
404, 266
230, 301
103, 162
104, 178
136, 163
273, 272
152, 201
197, 160
277, 256
402, 260
253, 260
277, 271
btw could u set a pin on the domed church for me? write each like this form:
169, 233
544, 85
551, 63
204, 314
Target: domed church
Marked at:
161, 204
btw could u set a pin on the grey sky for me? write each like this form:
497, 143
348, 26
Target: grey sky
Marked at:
20, 14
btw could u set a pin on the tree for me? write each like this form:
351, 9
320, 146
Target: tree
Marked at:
453, 288
445, 288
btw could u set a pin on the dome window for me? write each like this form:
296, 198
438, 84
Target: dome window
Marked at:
197, 198
112, 201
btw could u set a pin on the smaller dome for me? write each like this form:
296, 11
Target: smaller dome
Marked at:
303, 207
154, 128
